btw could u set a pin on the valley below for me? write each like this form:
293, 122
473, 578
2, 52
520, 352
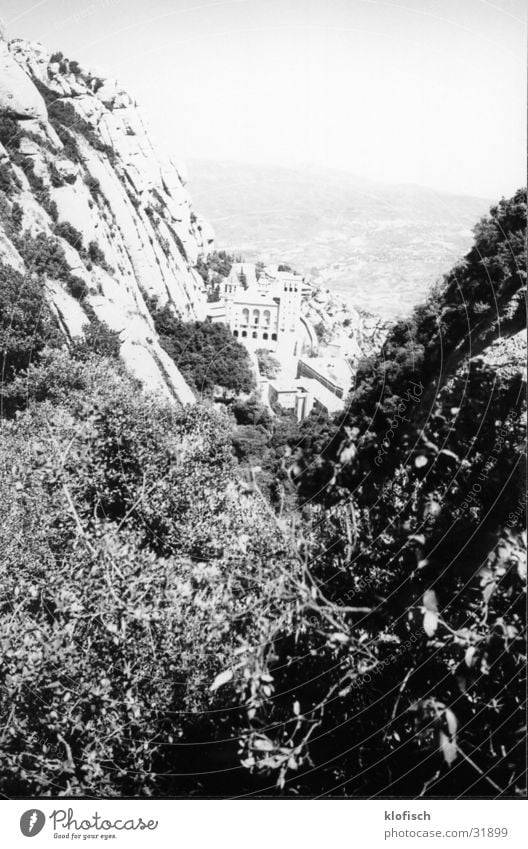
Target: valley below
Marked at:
380, 246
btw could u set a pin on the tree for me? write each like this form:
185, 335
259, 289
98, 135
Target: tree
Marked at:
269, 365
207, 354
26, 323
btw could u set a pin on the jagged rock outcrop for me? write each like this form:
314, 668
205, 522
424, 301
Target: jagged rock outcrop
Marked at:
18, 97
358, 333
78, 168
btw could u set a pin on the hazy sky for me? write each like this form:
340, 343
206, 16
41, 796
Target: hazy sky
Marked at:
423, 91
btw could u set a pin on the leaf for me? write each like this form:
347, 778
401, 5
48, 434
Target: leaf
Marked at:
487, 592
451, 721
339, 637
262, 744
470, 658
221, 679
449, 454
430, 601
430, 622
448, 748
419, 538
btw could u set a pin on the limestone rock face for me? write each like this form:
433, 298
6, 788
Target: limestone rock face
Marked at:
18, 96
82, 160
358, 333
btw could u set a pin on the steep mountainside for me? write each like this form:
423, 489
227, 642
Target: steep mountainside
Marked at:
416, 554
88, 205
381, 246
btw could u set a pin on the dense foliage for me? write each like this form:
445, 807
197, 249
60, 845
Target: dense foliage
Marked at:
207, 354
131, 569
213, 269
26, 327
334, 607
405, 672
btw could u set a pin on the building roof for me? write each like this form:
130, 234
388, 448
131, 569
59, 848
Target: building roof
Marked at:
253, 297
332, 403
335, 369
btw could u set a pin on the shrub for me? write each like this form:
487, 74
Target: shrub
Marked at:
96, 254
55, 177
216, 264
39, 187
17, 215
9, 133
8, 179
43, 255
250, 444
126, 583
76, 287
206, 354
26, 324
70, 233
62, 113
98, 339
269, 365
93, 184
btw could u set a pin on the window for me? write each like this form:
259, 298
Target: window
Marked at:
256, 316
244, 334
245, 316
264, 335
267, 318
274, 337
255, 334
235, 332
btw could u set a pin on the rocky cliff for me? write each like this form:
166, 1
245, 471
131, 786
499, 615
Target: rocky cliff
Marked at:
88, 203
358, 333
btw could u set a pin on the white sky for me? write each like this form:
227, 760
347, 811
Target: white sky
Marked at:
423, 91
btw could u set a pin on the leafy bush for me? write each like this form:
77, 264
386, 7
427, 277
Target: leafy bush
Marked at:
76, 287
8, 180
93, 184
61, 113
369, 642
17, 216
57, 180
98, 339
9, 133
38, 186
96, 254
43, 255
68, 232
131, 568
26, 324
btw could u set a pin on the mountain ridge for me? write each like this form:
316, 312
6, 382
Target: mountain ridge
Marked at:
361, 238
81, 174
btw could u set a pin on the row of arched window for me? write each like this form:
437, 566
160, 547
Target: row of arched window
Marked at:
243, 334
266, 317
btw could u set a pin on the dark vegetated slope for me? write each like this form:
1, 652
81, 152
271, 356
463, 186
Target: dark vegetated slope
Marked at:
405, 674
207, 354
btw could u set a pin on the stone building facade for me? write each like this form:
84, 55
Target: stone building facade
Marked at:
263, 312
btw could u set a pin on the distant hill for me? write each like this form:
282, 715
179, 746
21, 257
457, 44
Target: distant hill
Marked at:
382, 245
